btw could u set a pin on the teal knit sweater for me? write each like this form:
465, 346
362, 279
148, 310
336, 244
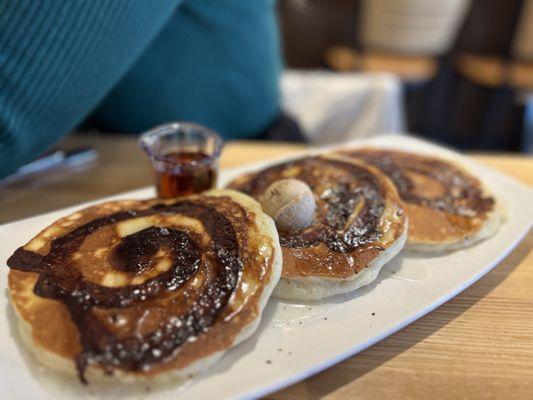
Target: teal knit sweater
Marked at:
132, 64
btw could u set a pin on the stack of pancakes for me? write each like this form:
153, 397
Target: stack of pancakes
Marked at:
162, 288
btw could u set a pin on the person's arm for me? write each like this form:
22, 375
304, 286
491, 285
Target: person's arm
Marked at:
58, 59
216, 63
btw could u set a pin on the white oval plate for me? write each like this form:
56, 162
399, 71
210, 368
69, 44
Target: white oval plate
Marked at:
294, 340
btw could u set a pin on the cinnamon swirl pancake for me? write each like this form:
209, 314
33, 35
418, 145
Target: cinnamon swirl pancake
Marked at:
448, 208
145, 289
358, 226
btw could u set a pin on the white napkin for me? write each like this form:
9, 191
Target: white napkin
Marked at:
333, 107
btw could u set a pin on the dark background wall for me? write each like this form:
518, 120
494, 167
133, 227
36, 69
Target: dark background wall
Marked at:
448, 106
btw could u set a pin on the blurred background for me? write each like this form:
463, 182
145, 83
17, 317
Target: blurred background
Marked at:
459, 72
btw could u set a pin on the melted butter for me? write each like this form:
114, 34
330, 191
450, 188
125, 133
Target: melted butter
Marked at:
296, 314
134, 225
207, 297
35, 245
410, 273
114, 279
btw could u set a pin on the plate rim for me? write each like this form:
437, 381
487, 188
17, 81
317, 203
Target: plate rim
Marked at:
279, 383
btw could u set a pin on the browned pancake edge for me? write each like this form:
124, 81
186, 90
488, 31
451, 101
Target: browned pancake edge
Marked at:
445, 204
351, 197
52, 321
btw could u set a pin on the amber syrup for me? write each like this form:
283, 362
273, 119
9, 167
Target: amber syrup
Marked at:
185, 173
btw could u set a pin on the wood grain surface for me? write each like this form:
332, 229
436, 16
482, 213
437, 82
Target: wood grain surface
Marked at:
479, 345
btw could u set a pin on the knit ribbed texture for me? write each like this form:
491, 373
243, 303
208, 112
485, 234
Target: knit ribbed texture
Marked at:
214, 62
58, 59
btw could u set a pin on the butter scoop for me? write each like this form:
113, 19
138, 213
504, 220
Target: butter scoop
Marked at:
290, 202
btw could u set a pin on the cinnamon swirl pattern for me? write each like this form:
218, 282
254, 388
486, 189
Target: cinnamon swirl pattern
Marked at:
359, 225
144, 288
447, 207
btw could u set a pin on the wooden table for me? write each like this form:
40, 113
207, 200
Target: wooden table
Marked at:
478, 345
